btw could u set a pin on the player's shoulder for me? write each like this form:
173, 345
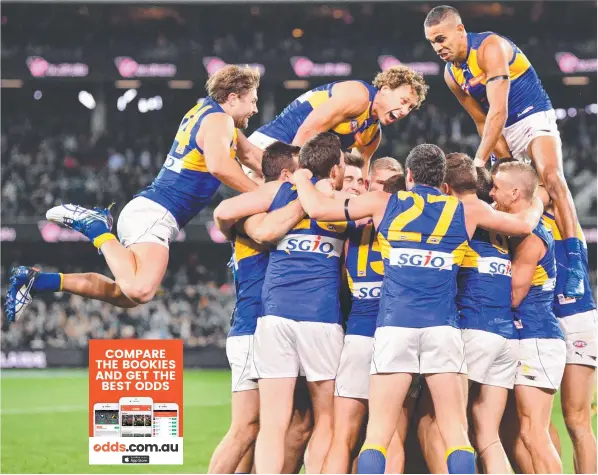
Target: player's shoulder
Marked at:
353, 90
218, 120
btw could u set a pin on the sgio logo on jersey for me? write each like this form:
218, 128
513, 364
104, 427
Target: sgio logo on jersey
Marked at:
494, 265
421, 258
367, 290
328, 246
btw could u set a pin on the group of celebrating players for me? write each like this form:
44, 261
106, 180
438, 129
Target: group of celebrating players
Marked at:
388, 319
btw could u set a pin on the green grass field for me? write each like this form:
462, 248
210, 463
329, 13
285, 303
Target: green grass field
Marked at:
45, 425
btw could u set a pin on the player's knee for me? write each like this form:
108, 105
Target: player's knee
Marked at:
247, 431
577, 422
139, 293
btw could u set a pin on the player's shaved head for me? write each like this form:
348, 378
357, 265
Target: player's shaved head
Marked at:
441, 14
484, 185
460, 173
386, 163
520, 176
426, 165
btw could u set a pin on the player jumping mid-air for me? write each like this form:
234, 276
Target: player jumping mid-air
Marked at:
201, 157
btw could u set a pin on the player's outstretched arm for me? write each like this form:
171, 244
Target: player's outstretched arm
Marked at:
367, 152
229, 211
216, 134
248, 154
493, 59
319, 206
475, 111
528, 251
349, 99
271, 227
519, 224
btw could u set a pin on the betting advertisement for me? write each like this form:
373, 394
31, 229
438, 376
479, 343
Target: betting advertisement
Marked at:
135, 402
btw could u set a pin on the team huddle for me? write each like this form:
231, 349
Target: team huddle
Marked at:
389, 318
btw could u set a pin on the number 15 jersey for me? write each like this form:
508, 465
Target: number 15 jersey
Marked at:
423, 240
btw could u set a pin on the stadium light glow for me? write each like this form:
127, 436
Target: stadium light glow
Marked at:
142, 105
572, 112
37, 95
560, 114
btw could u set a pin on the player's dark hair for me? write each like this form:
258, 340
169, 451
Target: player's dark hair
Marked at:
395, 184
353, 160
460, 173
439, 14
497, 164
427, 164
277, 157
320, 154
484, 185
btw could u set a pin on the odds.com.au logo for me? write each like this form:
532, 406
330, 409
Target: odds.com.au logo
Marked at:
118, 447
328, 246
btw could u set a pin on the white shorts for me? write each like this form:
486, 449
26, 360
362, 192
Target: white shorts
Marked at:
239, 351
521, 134
260, 140
282, 347
580, 338
144, 220
541, 362
353, 376
418, 350
491, 358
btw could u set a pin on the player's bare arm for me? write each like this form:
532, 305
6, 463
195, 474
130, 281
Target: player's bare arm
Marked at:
323, 208
270, 227
229, 211
475, 111
493, 59
349, 99
527, 252
248, 154
216, 134
516, 224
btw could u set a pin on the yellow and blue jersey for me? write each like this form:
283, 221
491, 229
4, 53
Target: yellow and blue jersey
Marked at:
565, 306
355, 132
526, 95
304, 273
423, 239
184, 186
535, 312
249, 263
365, 273
484, 285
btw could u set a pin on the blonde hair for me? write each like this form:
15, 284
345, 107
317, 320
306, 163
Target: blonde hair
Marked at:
232, 79
524, 177
398, 76
386, 163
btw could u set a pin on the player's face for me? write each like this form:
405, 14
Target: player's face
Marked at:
338, 174
244, 107
379, 177
353, 181
395, 104
448, 40
502, 192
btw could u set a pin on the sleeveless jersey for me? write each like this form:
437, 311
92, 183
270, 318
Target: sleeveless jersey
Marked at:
303, 278
526, 95
249, 269
484, 285
535, 311
565, 306
357, 131
423, 239
365, 272
184, 186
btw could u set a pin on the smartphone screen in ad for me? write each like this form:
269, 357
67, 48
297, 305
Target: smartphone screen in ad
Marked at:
136, 420
166, 420
106, 422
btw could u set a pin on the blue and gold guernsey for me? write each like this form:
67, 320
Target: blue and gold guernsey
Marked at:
365, 273
423, 240
535, 312
184, 186
249, 263
484, 285
356, 132
303, 277
565, 306
526, 95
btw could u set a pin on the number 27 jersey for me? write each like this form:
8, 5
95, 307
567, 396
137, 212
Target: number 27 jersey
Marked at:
423, 239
